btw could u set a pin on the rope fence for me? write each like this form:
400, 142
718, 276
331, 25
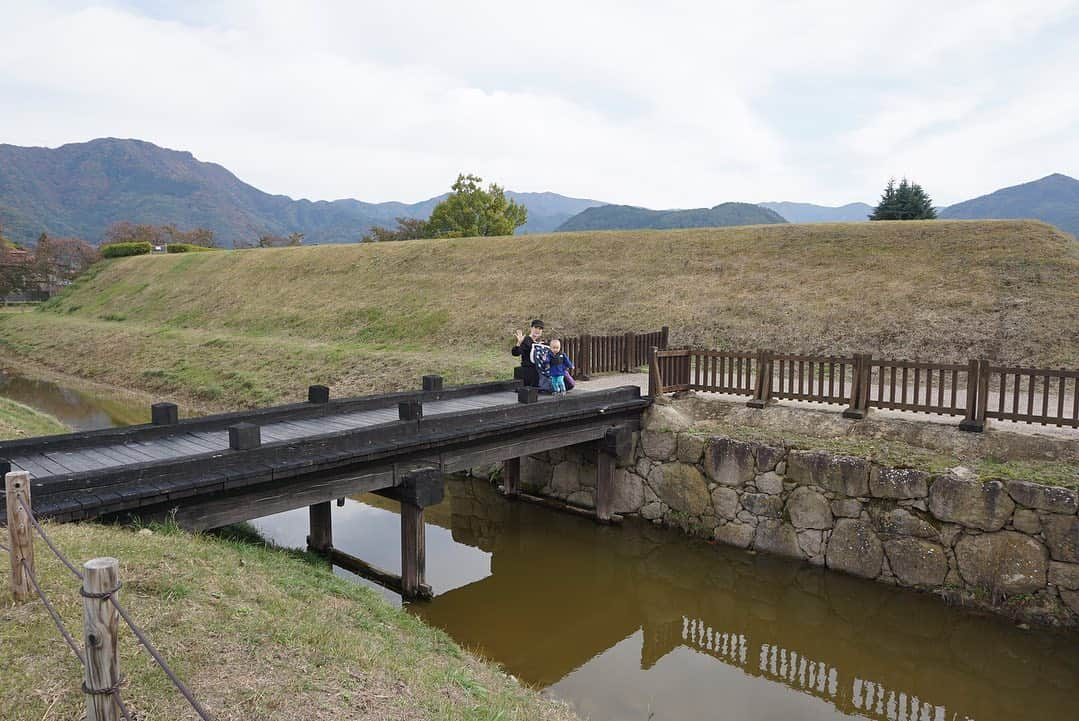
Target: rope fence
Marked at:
100, 581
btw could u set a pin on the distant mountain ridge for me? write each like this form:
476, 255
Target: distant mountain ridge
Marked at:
629, 217
810, 213
1053, 199
80, 189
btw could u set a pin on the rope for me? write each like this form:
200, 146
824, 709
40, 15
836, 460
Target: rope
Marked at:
203, 714
52, 612
41, 532
110, 595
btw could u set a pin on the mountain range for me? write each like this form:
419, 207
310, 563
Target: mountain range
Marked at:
628, 217
80, 189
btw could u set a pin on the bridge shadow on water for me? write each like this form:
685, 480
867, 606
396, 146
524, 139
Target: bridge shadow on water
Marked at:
630, 621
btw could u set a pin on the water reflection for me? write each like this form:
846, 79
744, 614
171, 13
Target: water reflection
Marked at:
77, 410
628, 622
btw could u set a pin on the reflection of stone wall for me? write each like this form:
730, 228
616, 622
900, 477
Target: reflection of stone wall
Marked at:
1012, 545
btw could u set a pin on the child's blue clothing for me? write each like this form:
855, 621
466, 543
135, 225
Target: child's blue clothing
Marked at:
558, 384
559, 363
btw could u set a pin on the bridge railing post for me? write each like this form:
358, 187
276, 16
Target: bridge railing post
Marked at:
655, 381
584, 364
20, 540
318, 394
164, 414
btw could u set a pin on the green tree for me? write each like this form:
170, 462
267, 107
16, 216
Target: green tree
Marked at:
907, 201
472, 211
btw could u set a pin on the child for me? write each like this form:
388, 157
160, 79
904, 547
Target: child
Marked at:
559, 363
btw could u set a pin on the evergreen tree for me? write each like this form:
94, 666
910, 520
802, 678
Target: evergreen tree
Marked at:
472, 211
907, 201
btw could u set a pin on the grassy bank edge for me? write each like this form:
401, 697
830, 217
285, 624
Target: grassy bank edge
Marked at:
21, 421
256, 632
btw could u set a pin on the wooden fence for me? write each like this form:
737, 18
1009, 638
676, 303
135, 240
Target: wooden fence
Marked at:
612, 353
976, 390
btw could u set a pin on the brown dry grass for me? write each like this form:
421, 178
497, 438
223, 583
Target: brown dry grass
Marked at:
373, 316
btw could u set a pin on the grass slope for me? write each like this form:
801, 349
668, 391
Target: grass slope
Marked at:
19, 421
256, 633
254, 326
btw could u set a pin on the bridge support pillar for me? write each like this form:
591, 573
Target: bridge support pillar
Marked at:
320, 539
413, 552
617, 444
511, 476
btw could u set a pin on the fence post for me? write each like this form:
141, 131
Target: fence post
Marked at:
17, 486
972, 422
858, 388
664, 338
763, 389
101, 579
627, 352
655, 382
584, 363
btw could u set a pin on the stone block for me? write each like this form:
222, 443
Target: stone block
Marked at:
809, 509
582, 499
842, 474
1005, 562
846, 508
916, 562
690, 448
725, 501
1062, 535
811, 542
1044, 498
730, 462
659, 445
854, 548
986, 506
1027, 521
901, 522
735, 534
683, 488
652, 511
565, 479
1071, 599
628, 492
770, 483
898, 483
768, 457
1064, 575
665, 418
775, 536
535, 472
763, 505
781, 468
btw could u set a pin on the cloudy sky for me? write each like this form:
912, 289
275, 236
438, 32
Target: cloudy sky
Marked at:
659, 104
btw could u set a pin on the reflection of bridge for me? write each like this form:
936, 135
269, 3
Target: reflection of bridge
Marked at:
868, 650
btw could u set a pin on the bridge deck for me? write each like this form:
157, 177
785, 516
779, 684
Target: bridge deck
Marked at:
309, 452
41, 464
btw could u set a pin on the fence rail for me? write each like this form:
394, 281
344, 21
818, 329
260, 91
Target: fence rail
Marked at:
612, 353
976, 390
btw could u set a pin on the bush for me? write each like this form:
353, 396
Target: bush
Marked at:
186, 248
119, 250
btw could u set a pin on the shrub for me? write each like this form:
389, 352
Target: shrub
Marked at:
119, 250
186, 248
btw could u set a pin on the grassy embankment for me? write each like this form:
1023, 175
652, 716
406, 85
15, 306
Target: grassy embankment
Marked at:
256, 633
218, 330
19, 421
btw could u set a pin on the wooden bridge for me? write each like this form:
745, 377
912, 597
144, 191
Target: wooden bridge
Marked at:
216, 470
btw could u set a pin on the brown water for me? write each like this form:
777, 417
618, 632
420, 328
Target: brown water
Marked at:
641, 623
78, 410
636, 622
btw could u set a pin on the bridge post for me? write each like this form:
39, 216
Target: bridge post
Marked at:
320, 516
617, 443
20, 540
413, 550
318, 394
511, 476
164, 414
432, 383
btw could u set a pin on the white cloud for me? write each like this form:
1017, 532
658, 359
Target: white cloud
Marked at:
631, 102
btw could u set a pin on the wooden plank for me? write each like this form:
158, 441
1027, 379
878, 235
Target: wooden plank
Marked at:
49, 466
70, 462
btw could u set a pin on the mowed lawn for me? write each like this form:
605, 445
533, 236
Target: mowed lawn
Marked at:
219, 330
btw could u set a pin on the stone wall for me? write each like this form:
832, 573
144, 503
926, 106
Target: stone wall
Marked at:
1012, 546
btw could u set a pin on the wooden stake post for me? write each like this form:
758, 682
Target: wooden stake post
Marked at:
101, 620
321, 537
17, 486
511, 477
